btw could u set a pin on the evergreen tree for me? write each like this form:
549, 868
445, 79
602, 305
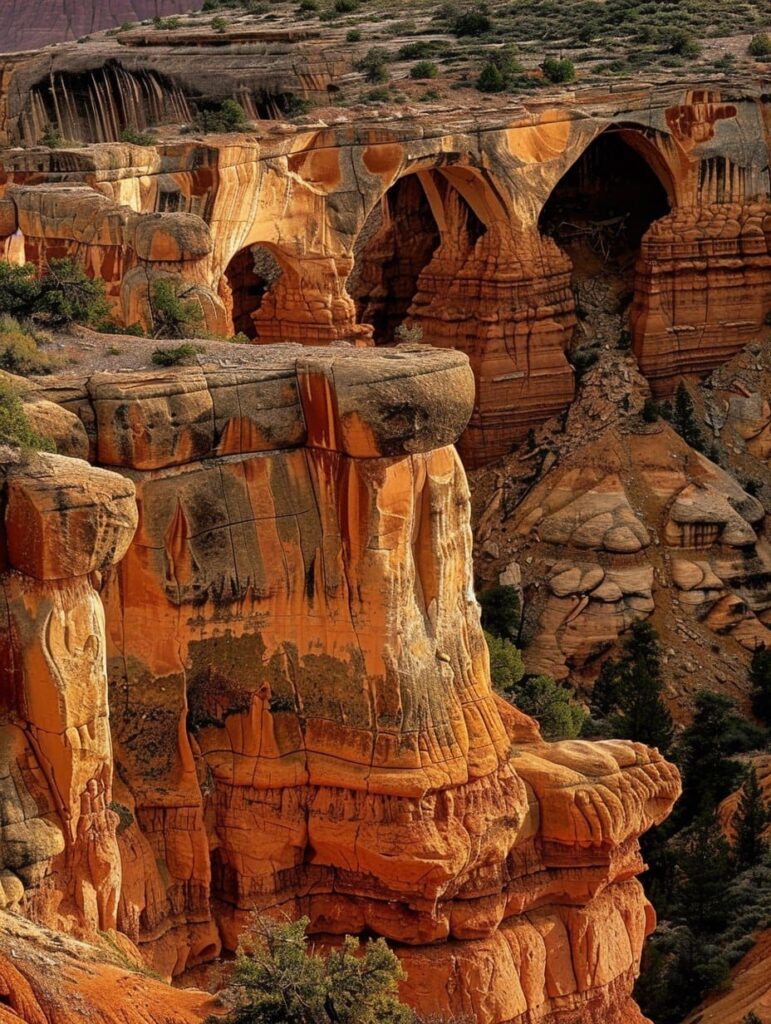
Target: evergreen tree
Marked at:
501, 611
278, 980
760, 681
684, 420
629, 691
751, 1018
705, 863
644, 715
752, 817
607, 690
709, 774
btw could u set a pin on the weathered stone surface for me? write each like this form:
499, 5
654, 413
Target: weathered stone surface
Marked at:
300, 701
624, 521
272, 232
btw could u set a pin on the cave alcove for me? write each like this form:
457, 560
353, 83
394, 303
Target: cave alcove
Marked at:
251, 273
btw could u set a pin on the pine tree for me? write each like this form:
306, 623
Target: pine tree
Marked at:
760, 681
709, 774
752, 817
706, 870
684, 420
645, 716
607, 690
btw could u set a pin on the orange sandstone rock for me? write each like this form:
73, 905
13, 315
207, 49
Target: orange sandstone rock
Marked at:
300, 707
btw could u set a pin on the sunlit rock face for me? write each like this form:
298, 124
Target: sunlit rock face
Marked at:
316, 233
299, 700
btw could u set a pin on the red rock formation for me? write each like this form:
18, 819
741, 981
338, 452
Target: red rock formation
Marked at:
299, 696
30, 24
703, 288
49, 978
609, 520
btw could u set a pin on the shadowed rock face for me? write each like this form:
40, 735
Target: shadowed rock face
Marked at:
298, 687
30, 24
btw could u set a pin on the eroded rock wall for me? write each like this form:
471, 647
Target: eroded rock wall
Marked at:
300, 709
490, 281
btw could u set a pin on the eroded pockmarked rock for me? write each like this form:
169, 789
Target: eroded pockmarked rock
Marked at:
300, 706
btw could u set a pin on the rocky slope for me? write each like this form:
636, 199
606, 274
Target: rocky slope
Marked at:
32, 24
270, 588
606, 518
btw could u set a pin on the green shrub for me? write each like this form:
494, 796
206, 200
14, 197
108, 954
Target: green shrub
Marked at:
64, 294
219, 24
229, 116
683, 44
381, 95
15, 428
309, 5
501, 610
346, 6
558, 71
136, 138
491, 78
52, 138
476, 22
173, 315
19, 350
19, 289
374, 65
353, 35
277, 979
553, 706
68, 295
424, 69
760, 45
506, 665
166, 24
174, 356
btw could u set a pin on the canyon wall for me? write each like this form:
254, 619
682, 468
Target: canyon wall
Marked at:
267, 582
31, 24
335, 211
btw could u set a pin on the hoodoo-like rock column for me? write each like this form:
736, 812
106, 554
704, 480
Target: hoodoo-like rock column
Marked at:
65, 524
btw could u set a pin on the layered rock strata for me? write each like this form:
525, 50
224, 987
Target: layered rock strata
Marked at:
299, 697
205, 211
612, 519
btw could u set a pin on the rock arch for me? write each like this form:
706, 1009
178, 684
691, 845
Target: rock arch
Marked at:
449, 252
251, 274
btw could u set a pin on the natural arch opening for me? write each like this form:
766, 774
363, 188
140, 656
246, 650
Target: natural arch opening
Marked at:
606, 202
250, 274
598, 213
398, 241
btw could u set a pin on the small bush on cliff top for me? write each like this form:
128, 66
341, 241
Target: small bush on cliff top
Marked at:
15, 428
279, 980
64, 294
760, 45
228, 117
558, 71
174, 315
374, 65
173, 356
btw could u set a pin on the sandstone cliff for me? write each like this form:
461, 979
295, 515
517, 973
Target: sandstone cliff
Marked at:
30, 24
300, 713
